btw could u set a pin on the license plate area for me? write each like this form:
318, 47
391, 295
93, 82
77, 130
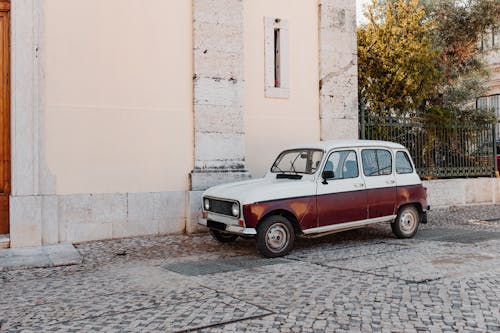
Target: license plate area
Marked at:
216, 225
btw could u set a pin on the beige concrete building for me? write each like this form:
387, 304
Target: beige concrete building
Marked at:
123, 111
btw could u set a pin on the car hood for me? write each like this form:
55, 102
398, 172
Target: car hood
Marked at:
263, 189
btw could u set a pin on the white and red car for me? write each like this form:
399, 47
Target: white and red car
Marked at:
317, 189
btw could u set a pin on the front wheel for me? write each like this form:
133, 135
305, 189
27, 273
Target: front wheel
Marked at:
406, 223
223, 237
275, 236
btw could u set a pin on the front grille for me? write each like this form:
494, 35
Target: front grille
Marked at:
221, 207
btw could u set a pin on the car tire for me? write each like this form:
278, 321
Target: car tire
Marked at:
275, 236
407, 222
223, 237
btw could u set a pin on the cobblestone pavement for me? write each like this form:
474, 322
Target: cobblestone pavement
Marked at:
445, 279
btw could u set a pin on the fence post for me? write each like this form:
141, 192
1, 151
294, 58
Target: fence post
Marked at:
494, 152
362, 124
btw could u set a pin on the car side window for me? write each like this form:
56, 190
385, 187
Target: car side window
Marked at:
403, 164
384, 158
344, 164
376, 162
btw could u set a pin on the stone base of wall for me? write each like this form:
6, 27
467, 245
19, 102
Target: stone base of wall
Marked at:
459, 192
203, 179
50, 219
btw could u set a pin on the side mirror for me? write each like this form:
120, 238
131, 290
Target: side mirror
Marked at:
327, 175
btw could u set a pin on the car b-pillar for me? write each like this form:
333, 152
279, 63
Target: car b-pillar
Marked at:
219, 132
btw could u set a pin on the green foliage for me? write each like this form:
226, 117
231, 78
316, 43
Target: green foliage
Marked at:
461, 24
423, 55
397, 60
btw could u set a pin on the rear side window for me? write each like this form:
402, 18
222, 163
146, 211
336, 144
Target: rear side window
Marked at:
403, 164
376, 162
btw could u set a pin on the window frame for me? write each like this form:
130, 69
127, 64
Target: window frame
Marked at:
377, 161
343, 150
276, 58
407, 157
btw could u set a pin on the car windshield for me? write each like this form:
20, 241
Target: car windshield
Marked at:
297, 161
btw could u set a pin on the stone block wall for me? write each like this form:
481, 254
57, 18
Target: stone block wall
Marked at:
50, 219
219, 150
459, 192
338, 70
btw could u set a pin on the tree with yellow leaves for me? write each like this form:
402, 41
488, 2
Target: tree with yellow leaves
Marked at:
398, 66
423, 55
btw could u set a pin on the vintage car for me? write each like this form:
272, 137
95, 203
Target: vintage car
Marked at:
317, 189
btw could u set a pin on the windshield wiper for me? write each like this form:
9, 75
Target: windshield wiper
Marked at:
293, 164
288, 176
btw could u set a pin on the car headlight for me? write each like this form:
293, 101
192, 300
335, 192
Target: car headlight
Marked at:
206, 204
236, 210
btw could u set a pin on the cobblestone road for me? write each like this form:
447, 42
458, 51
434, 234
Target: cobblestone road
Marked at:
446, 279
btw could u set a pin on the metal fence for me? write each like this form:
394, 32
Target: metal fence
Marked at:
439, 151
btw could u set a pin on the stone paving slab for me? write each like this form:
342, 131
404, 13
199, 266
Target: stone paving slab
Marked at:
89, 284
345, 252
308, 298
43, 256
206, 267
424, 261
457, 235
135, 315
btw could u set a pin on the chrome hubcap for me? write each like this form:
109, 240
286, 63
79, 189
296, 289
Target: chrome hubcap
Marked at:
277, 237
408, 221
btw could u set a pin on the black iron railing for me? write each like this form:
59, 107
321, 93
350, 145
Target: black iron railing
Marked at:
439, 151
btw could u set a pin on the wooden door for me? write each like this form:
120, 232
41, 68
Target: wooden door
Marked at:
4, 115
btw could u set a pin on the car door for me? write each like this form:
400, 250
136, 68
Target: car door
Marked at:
342, 198
380, 182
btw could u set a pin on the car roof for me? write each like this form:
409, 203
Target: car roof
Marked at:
334, 144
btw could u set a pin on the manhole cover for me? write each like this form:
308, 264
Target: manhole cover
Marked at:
206, 267
457, 235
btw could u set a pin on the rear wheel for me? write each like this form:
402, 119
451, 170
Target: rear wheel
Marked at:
275, 236
222, 236
406, 223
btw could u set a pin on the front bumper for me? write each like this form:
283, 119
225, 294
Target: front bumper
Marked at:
233, 229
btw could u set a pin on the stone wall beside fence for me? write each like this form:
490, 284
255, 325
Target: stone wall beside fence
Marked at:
459, 192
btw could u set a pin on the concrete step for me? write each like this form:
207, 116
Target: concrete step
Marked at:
38, 257
4, 241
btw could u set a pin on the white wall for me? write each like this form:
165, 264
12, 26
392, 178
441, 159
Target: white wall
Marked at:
443, 193
119, 95
271, 124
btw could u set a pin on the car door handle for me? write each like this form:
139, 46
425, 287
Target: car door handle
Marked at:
390, 181
360, 185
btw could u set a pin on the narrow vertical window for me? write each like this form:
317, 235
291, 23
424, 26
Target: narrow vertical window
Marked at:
276, 57
277, 60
